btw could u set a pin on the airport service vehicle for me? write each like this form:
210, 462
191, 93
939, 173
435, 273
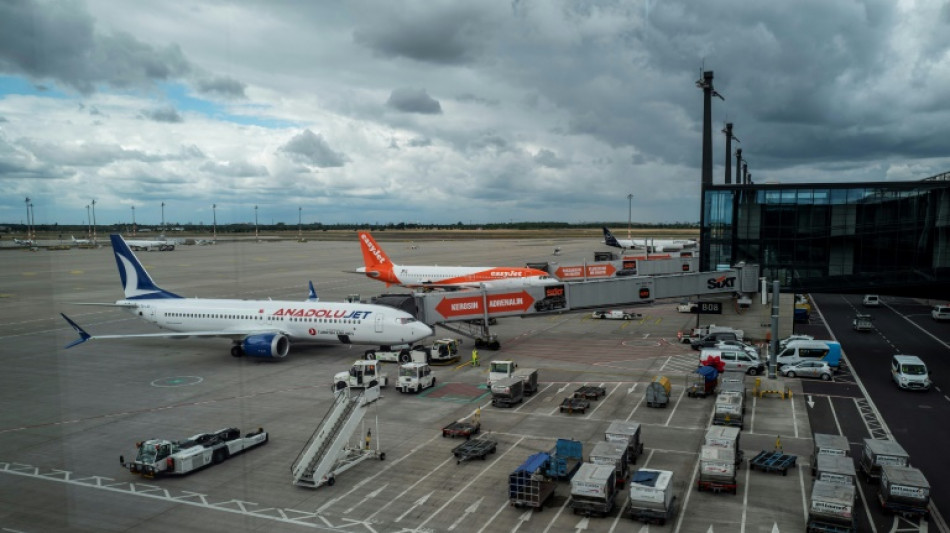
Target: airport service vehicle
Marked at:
711, 339
158, 456
439, 351
809, 369
400, 353
471, 449
611, 454
687, 307
702, 331
528, 486
825, 444
910, 373
462, 429
904, 490
658, 392
651, 496
413, 377
501, 369
507, 392
717, 470
151, 245
615, 314
795, 337
796, 351
831, 509
836, 469
735, 358
940, 312
593, 490
363, 374
878, 453
871, 300
257, 328
627, 433
566, 456
862, 323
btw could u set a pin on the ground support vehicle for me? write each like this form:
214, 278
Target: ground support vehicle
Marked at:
590, 392
471, 449
507, 392
593, 490
725, 437
501, 369
461, 429
825, 444
566, 456
573, 405
402, 353
658, 392
413, 377
862, 323
878, 453
717, 470
704, 383
363, 374
831, 509
904, 490
158, 456
728, 410
627, 433
441, 351
616, 314
528, 486
774, 461
651, 496
611, 454
530, 378
836, 469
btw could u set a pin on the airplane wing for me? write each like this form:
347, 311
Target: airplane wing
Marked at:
229, 334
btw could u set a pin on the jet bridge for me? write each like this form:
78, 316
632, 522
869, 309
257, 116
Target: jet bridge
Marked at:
470, 313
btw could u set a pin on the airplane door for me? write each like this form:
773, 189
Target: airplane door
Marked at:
379, 322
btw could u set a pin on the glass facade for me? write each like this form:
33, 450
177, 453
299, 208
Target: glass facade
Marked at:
890, 238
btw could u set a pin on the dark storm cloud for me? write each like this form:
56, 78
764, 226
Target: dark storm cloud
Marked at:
312, 149
547, 158
221, 86
446, 36
414, 101
164, 114
58, 40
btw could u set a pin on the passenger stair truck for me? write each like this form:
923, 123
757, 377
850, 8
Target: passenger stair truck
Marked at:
831, 509
158, 456
904, 490
651, 496
528, 486
593, 490
328, 452
566, 457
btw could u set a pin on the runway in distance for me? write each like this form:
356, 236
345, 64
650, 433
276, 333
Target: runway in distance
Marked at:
148, 245
378, 266
258, 328
648, 245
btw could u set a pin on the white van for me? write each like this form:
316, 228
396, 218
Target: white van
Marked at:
735, 358
909, 372
940, 312
802, 350
871, 300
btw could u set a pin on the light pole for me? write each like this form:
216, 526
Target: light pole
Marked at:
629, 212
88, 223
299, 219
94, 221
133, 221
32, 222
256, 234
27, 202
214, 223
163, 219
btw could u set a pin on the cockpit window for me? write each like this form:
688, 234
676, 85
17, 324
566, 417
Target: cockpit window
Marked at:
409, 320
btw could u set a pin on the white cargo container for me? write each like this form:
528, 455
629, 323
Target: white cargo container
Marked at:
611, 454
831, 507
651, 496
593, 490
904, 490
878, 453
717, 470
826, 444
724, 437
728, 410
836, 469
629, 433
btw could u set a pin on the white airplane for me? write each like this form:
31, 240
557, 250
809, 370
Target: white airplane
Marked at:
258, 328
649, 245
80, 241
23, 242
148, 245
378, 266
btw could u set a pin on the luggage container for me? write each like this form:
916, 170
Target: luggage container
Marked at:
528, 486
728, 411
732, 383
507, 392
724, 437
611, 454
658, 392
904, 490
651, 496
836, 469
717, 470
831, 509
826, 444
566, 457
878, 453
629, 433
593, 490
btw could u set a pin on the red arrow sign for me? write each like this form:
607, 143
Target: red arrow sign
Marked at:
450, 307
603, 270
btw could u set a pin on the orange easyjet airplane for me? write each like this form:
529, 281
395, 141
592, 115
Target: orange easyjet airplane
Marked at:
379, 267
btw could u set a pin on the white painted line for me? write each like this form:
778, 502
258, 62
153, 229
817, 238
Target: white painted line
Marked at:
673, 412
366, 498
834, 414
867, 511
752, 418
410, 487
689, 491
635, 407
794, 420
468, 510
420, 501
533, 396
663, 366
601, 402
494, 516
559, 511
745, 500
801, 484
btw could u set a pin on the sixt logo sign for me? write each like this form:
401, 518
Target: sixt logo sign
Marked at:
373, 249
722, 282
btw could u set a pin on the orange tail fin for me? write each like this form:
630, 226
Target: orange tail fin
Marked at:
375, 259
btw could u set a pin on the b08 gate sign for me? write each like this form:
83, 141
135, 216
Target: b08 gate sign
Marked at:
708, 308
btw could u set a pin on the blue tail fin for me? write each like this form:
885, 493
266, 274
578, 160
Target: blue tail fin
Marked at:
609, 239
136, 282
83, 336
312, 294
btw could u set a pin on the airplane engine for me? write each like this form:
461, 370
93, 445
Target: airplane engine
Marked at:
273, 345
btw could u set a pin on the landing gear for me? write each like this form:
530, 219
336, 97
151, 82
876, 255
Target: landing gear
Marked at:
237, 351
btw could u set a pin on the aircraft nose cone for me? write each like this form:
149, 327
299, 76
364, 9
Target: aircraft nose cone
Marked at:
426, 331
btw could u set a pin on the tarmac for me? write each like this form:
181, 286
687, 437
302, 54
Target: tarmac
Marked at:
70, 414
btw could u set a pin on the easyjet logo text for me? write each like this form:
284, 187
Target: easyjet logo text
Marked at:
377, 253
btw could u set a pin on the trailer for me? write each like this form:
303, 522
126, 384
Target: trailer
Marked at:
572, 405
593, 490
658, 392
826, 444
878, 453
774, 461
507, 392
725, 437
717, 470
904, 490
471, 449
159, 456
611, 454
732, 383
590, 392
528, 486
628, 433
728, 410
831, 509
566, 458
862, 323
836, 469
651, 496
461, 429
703, 383
530, 378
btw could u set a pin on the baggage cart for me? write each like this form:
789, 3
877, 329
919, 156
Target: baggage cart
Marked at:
612, 454
836, 469
471, 449
826, 444
831, 509
725, 437
717, 470
528, 486
574, 405
703, 383
593, 490
566, 457
658, 392
461, 429
904, 490
626, 432
728, 410
651, 496
773, 462
590, 392
878, 453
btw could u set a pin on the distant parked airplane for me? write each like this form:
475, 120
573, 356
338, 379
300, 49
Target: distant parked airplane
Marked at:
80, 241
23, 242
148, 245
649, 245
259, 328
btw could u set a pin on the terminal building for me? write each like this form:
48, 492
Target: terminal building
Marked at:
876, 237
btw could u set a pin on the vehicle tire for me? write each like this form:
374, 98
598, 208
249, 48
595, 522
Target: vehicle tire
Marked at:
753, 371
370, 355
494, 345
236, 351
331, 481
382, 456
404, 357
373, 383
433, 382
791, 374
340, 385
826, 377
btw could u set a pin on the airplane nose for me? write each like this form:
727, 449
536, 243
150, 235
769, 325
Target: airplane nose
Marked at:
426, 330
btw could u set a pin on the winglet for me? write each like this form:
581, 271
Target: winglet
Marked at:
609, 239
312, 293
83, 336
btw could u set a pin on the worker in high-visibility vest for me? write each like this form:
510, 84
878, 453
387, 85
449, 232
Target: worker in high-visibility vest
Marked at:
474, 357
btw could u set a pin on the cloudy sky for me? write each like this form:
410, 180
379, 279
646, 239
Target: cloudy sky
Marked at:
434, 111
